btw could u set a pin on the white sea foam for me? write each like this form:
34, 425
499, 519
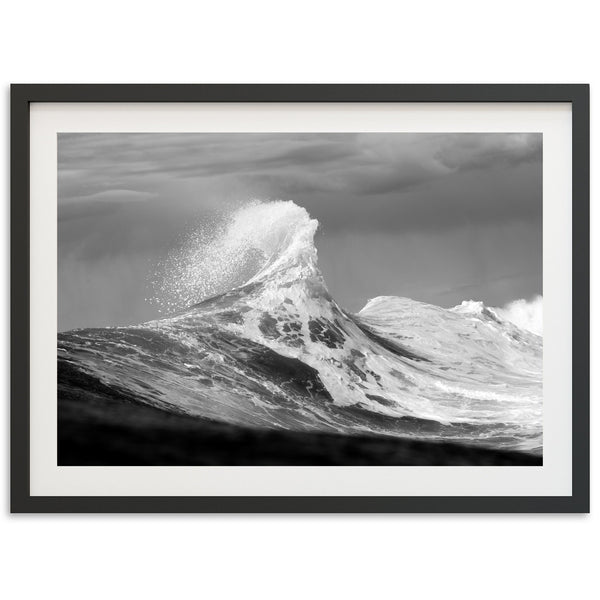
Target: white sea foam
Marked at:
527, 314
229, 251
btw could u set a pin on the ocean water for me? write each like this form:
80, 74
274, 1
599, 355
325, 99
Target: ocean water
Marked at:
268, 347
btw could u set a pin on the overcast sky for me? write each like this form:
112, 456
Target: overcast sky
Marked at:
435, 217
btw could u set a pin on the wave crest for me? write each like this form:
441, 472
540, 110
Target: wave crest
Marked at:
249, 244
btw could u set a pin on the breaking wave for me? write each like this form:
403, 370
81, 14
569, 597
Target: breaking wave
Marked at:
226, 252
257, 340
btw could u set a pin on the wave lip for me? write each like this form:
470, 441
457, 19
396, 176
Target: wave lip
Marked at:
398, 367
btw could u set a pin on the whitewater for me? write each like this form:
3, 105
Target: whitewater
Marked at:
255, 339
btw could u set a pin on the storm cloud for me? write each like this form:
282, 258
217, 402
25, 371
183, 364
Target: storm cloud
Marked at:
438, 217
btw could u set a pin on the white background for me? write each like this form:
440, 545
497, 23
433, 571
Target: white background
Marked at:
416, 556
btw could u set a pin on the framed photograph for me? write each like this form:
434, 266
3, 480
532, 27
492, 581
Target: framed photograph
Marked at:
300, 298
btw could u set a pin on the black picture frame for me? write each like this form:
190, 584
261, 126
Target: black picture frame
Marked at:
22, 95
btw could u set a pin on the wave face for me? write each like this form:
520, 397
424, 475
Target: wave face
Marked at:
277, 351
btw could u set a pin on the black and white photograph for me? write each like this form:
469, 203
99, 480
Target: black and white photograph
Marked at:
300, 299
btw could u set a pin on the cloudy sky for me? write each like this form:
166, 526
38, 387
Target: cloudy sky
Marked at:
435, 217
